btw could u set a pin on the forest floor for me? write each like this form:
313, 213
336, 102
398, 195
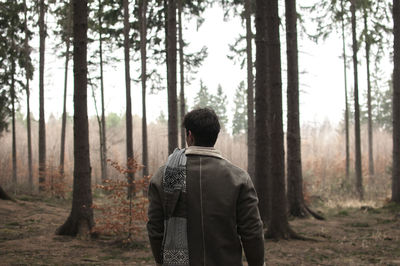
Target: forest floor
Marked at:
354, 234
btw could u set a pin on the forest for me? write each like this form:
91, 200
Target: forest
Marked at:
73, 182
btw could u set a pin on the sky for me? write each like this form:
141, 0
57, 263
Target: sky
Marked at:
321, 81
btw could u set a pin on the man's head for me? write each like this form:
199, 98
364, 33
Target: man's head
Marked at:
202, 127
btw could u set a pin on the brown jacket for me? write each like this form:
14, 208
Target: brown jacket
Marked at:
222, 212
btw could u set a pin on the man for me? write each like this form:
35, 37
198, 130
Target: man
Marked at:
202, 208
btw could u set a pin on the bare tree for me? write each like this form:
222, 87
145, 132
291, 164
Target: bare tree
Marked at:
80, 220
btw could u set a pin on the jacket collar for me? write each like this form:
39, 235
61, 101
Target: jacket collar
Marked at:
205, 151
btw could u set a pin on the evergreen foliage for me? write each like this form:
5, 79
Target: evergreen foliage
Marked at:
13, 58
239, 121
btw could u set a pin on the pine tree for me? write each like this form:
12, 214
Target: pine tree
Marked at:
219, 103
80, 221
239, 121
396, 104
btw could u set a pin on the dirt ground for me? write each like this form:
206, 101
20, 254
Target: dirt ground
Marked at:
352, 235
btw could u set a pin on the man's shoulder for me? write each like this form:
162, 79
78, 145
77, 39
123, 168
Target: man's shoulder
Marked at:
157, 177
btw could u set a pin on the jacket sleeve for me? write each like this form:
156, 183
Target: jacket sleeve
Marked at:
250, 226
155, 225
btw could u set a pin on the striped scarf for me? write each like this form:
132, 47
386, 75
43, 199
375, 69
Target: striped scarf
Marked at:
175, 244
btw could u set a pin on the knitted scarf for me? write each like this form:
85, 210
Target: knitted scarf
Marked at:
175, 244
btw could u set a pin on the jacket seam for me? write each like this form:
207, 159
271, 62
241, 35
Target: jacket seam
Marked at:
202, 216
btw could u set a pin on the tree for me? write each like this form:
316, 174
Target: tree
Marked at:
64, 14
278, 225
295, 195
247, 54
250, 91
203, 97
143, 54
80, 220
219, 103
13, 63
182, 75
262, 174
396, 104
42, 123
367, 58
239, 122
358, 167
346, 102
28, 75
171, 76
129, 140
102, 128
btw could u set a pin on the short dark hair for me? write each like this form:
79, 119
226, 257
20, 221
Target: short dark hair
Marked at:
204, 125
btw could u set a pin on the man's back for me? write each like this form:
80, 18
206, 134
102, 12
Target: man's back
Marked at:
222, 211
222, 207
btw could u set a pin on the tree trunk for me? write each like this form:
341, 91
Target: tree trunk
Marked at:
171, 77
262, 151
103, 139
278, 226
295, 195
42, 123
143, 53
4, 195
28, 111
129, 137
396, 104
359, 185
80, 220
14, 141
346, 110
294, 168
370, 133
250, 92
182, 77
64, 115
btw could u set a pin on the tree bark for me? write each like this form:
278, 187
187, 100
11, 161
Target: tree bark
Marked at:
346, 110
28, 111
359, 185
171, 77
103, 138
143, 53
182, 77
64, 115
262, 152
80, 220
129, 137
42, 123
278, 226
250, 92
12, 90
396, 104
371, 170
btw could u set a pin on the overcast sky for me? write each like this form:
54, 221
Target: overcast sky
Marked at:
321, 84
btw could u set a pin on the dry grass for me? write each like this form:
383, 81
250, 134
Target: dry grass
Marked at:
323, 155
